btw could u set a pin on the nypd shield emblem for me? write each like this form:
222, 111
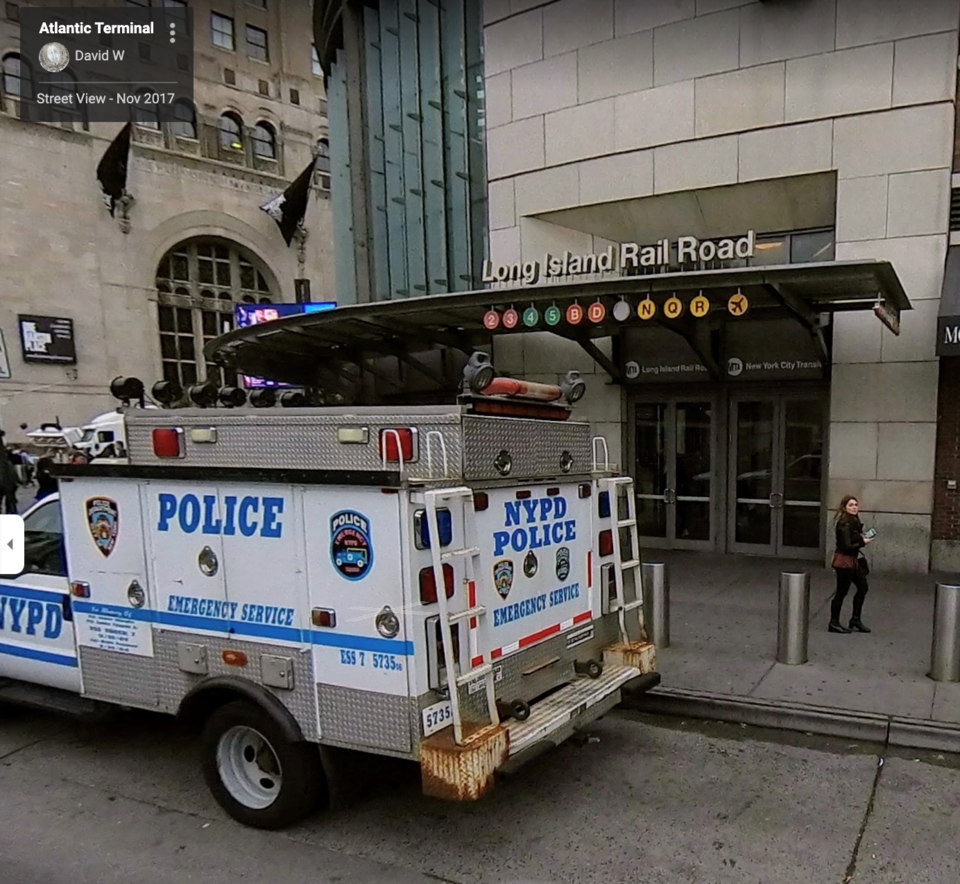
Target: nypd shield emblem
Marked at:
503, 577
563, 563
103, 520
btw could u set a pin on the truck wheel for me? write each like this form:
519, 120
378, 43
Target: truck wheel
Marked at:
258, 776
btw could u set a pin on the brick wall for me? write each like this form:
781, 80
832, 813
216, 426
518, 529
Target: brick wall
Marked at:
946, 503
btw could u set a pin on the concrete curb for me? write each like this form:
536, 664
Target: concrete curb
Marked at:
909, 733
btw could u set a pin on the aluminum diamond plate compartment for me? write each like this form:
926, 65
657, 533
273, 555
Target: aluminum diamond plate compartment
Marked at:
535, 447
301, 439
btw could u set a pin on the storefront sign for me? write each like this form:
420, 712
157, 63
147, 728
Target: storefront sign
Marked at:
888, 315
628, 256
948, 336
752, 350
777, 350
655, 355
47, 339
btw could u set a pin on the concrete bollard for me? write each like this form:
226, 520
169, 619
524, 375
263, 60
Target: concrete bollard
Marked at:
793, 622
945, 649
656, 602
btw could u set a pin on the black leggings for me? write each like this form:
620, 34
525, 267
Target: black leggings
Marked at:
846, 576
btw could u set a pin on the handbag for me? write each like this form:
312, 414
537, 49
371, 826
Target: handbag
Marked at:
863, 566
844, 561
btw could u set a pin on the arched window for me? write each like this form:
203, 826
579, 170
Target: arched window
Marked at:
264, 141
145, 115
231, 132
323, 154
16, 77
65, 83
198, 283
184, 123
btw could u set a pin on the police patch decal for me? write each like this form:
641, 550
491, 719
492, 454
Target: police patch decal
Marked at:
530, 564
503, 577
351, 547
563, 563
103, 520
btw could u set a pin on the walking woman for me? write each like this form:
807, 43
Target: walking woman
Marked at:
850, 565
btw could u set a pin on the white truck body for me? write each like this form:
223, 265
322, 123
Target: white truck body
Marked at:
280, 556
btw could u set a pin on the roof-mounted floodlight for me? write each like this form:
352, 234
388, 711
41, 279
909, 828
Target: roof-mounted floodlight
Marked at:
573, 387
203, 395
232, 397
167, 393
478, 373
127, 389
263, 398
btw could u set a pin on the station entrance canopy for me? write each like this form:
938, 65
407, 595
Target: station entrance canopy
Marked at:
353, 343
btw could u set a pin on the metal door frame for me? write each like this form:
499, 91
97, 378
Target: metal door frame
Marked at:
715, 401
775, 548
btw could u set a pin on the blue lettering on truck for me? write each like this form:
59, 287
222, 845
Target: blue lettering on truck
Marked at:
247, 515
219, 609
535, 524
30, 617
535, 605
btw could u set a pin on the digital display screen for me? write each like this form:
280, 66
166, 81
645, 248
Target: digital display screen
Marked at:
257, 314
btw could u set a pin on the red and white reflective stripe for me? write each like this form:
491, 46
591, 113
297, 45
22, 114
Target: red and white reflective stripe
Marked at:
534, 637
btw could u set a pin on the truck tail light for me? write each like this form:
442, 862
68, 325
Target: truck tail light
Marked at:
585, 490
603, 505
428, 585
605, 546
391, 451
422, 526
168, 442
80, 589
325, 617
481, 500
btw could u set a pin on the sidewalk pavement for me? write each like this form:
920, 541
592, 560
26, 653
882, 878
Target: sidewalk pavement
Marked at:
723, 644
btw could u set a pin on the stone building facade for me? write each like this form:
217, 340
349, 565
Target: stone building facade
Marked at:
827, 127
145, 292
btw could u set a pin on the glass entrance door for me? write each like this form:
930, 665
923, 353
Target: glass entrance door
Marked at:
776, 475
674, 473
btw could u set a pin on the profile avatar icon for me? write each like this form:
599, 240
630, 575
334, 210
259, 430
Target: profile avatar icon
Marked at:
54, 57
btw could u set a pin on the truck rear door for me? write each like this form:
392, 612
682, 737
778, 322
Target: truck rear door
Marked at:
535, 565
37, 641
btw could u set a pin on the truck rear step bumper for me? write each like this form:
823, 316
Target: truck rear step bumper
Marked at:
557, 717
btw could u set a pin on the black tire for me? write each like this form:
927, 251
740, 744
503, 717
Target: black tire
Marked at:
303, 785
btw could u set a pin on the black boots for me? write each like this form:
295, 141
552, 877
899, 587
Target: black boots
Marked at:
856, 625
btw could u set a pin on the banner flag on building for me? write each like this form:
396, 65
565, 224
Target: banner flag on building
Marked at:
290, 208
112, 170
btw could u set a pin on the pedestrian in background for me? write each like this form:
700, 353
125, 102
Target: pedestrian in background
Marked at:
46, 483
850, 565
8, 481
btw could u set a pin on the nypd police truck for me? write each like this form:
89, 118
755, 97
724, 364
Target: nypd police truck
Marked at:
455, 585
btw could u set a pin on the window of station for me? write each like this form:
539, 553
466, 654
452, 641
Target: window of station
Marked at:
198, 284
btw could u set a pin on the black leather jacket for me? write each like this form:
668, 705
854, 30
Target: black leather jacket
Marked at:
849, 535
